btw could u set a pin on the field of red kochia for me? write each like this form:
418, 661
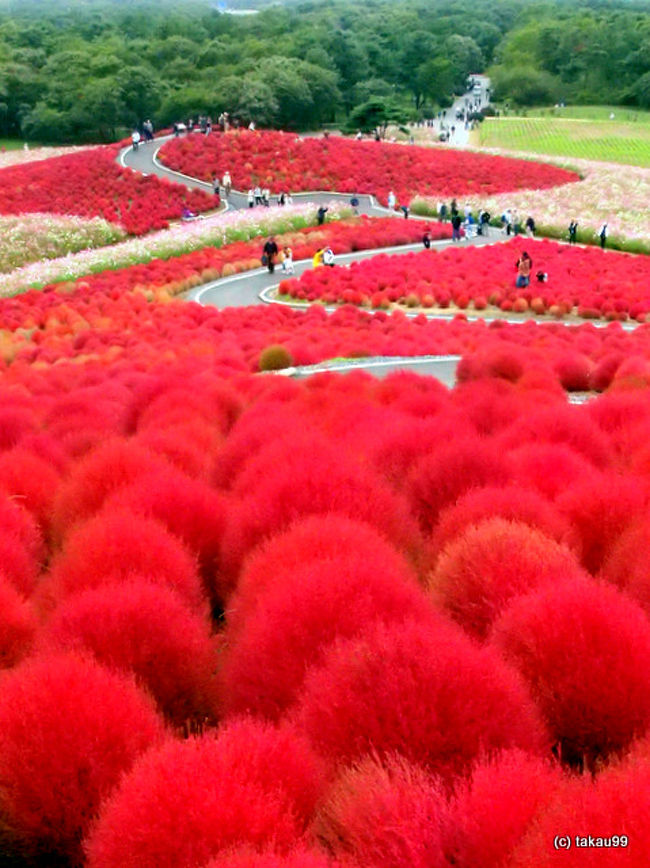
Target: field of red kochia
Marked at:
588, 282
286, 162
91, 184
248, 621
277, 612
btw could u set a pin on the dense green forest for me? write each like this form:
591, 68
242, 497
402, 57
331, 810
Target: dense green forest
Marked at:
89, 69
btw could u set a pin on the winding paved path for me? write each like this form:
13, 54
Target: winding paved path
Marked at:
255, 287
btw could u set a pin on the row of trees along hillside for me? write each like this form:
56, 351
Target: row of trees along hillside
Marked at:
88, 70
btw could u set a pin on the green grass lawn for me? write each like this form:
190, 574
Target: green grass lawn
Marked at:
594, 113
10, 144
589, 134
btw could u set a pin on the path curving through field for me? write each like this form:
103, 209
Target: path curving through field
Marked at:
255, 287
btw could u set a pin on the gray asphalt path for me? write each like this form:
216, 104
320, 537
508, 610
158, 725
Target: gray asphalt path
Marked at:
246, 289
146, 161
443, 368
250, 288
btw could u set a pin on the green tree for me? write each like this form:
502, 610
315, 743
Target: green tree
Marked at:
376, 114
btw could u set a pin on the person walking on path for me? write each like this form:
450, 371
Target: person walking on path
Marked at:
392, 200
484, 220
455, 227
602, 234
530, 227
328, 257
227, 183
135, 138
287, 260
215, 185
270, 253
573, 231
443, 213
266, 197
524, 267
251, 198
320, 215
257, 193
426, 238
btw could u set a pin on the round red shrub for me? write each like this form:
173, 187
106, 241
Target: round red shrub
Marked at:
68, 730
481, 570
581, 647
18, 625
184, 803
567, 425
31, 480
386, 813
626, 564
189, 508
511, 502
16, 564
548, 469
190, 446
616, 803
492, 810
15, 424
270, 420
600, 508
118, 545
421, 689
439, 479
107, 468
297, 617
305, 542
147, 630
303, 483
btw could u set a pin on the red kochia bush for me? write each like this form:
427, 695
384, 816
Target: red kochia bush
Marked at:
600, 508
18, 625
492, 811
186, 802
306, 542
422, 689
297, 618
482, 569
68, 730
304, 482
107, 468
627, 562
189, 508
31, 479
438, 479
566, 424
616, 803
583, 648
146, 629
118, 545
511, 502
248, 858
386, 814
549, 469
190, 446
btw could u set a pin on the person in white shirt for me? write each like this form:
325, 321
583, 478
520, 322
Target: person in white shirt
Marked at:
226, 183
287, 260
392, 200
328, 257
135, 138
